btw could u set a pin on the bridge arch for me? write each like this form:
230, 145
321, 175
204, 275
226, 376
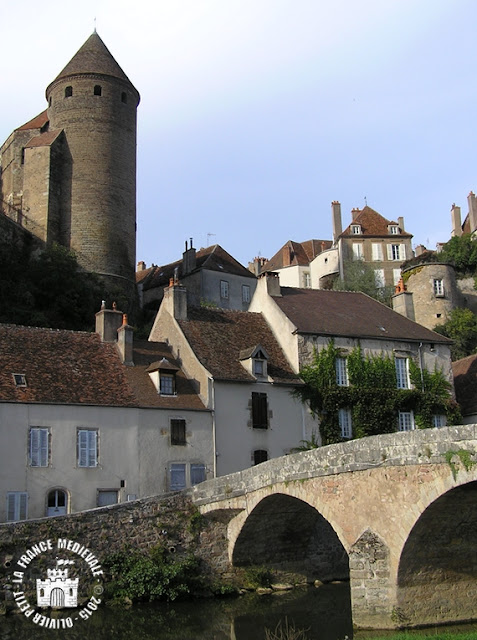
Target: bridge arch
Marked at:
288, 534
438, 565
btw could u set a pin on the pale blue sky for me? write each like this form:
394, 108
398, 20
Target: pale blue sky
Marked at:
256, 114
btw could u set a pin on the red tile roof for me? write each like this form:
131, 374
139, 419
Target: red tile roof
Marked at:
218, 337
44, 139
74, 367
350, 314
372, 224
37, 122
296, 253
465, 384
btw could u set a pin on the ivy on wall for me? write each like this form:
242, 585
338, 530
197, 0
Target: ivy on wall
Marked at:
372, 394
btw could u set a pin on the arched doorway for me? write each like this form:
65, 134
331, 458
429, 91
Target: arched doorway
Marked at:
57, 503
438, 564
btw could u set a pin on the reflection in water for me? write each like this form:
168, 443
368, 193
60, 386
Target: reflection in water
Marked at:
325, 612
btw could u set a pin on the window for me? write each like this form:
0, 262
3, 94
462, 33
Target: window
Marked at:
167, 384
341, 366
402, 373
97, 91
106, 497
357, 251
260, 455
39, 447
393, 230
406, 421
306, 280
439, 420
245, 293
258, 367
224, 289
259, 411
377, 251
395, 252
197, 473
57, 503
379, 278
345, 421
20, 379
178, 432
259, 364
124, 97
177, 477
68, 92
355, 229
87, 448
17, 503
438, 286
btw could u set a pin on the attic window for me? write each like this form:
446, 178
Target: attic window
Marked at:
356, 229
167, 384
259, 364
97, 90
20, 379
393, 230
68, 91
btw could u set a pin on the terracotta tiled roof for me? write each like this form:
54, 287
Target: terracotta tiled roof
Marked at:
93, 58
465, 384
352, 314
44, 139
74, 367
218, 337
213, 258
296, 254
143, 274
37, 122
372, 224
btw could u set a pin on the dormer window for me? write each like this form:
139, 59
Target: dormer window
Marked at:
356, 229
167, 383
393, 229
20, 379
255, 361
163, 375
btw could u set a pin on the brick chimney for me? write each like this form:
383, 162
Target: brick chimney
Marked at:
189, 260
175, 300
456, 221
287, 255
108, 322
401, 223
336, 219
141, 266
354, 213
272, 283
472, 211
125, 342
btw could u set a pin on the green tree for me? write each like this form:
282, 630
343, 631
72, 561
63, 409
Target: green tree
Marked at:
461, 327
461, 251
360, 276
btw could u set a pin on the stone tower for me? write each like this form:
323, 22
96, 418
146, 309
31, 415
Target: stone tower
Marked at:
94, 104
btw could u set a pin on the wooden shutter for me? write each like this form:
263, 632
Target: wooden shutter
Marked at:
87, 448
259, 411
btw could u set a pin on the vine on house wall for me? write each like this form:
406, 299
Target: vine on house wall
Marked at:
372, 394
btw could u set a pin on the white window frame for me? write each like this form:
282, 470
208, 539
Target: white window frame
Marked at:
346, 423
439, 420
17, 506
377, 251
357, 250
406, 421
438, 287
87, 445
379, 278
396, 276
306, 280
39, 446
356, 229
245, 293
341, 368
167, 384
402, 373
394, 252
394, 230
224, 289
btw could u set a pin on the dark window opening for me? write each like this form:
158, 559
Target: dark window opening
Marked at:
97, 90
260, 455
167, 384
124, 97
178, 432
259, 411
68, 92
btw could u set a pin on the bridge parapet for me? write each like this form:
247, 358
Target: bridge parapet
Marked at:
418, 447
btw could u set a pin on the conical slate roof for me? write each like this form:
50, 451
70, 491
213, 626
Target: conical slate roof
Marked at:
93, 58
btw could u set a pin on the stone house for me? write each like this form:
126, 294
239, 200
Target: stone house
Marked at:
306, 320
241, 374
89, 419
212, 277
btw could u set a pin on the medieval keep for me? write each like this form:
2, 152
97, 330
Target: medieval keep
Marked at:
69, 174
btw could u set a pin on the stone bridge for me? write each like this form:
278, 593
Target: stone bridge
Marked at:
395, 513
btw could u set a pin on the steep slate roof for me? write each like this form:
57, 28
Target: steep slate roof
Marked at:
301, 254
213, 258
351, 314
75, 367
465, 384
372, 224
218, 337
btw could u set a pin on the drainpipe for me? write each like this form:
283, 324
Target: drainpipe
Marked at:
214, 431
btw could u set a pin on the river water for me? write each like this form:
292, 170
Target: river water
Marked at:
324, 612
